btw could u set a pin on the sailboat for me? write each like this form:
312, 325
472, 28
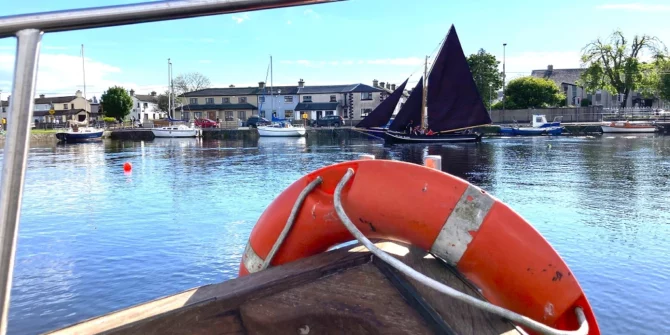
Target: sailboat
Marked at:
375, 121
452, 102
171, 130
279, 128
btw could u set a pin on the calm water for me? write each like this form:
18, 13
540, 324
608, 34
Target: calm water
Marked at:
93, 239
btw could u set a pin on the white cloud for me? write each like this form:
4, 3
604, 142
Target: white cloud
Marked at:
241, 18
639, 7
61, 74
311, 13
409, 61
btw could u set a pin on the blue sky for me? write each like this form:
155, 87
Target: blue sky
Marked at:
337, 43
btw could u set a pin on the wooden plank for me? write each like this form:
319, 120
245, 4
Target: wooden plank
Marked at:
461, 317
169, 312
357, 301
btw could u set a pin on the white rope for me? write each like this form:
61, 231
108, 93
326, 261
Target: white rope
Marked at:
402, 267
289, 222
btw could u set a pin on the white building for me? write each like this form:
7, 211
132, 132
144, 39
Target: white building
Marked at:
145, 107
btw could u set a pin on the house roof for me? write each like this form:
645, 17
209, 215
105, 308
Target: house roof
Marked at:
559, 76
55, 100
314, 106
218, 107
285, 90
147, 98
60, 112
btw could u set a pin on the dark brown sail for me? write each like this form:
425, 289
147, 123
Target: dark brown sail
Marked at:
411, 110
453, 100
382, 114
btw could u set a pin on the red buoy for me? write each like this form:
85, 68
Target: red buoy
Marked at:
127, 167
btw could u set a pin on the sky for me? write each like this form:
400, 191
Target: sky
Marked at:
348, 42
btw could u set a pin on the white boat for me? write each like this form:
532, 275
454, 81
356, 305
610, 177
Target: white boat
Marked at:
628, 127
175, 131
283, 129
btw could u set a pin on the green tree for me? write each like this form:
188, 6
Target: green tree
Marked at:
163, 101
614, 64
484, 68
532, 92
663, 84
116, 102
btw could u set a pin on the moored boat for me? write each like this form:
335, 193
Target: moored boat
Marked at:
450, 102
493, 272
628, 127
539, 126
80, 134
281, 129
175, 131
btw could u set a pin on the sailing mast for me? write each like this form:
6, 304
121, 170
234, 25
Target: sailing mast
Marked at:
169, 93
272, 93
83, 68
424, 123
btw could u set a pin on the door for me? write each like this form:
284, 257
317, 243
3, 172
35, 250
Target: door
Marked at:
211, 115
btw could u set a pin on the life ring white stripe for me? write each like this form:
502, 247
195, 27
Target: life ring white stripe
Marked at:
252, 262
467, 216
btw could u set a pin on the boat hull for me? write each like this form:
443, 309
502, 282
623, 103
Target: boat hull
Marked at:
174, 133
281, 132
79, 136
529, 131
622, 130
391, 137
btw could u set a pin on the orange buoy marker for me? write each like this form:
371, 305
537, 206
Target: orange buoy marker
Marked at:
127, 167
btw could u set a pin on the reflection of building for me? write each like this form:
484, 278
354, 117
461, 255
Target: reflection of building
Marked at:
233, 103
145, 107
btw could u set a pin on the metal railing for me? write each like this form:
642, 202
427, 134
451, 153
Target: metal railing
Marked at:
28, 29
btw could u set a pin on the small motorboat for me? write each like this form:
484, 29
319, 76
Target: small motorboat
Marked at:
79, 134
175, 131
539, 126
281, 129
449, 259
628, 127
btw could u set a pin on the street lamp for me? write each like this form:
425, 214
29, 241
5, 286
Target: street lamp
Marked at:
490, 97
504, 79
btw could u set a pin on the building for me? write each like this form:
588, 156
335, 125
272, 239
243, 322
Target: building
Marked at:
390, 88
145, 107
65, 108
96, 114
567, 80
291, 102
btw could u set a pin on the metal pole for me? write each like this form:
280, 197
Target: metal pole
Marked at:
83, 68
504, 80
15, 155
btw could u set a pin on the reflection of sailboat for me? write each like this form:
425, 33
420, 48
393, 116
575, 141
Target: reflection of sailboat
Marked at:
452, 104
276, 142
376, 121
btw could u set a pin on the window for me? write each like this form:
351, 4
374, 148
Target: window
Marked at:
242, 100
138, 105
197, 115
193, 101
146, 105
64, 106
209, 101
262, 114
366, 96
229, 115
288, 114
288, 99
365, 111
261, 99
242, 115
333, 98
71, 106
186, 116
329, 112
226, 100
307, 98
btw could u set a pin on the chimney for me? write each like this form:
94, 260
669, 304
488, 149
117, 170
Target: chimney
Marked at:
388, 86
132, 92
392, 87
78, 94
381, 85
41, 96
550, 68
231, 86
261, 84
301, 83
153, 93
375, 83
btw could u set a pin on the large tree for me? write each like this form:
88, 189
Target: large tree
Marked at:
189, 82
163, 101
532, 92
484, 68
116, 102
614, 64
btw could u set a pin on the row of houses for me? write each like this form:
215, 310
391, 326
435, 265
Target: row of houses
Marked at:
351, 102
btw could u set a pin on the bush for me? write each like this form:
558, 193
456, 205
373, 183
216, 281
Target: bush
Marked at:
532, 92
108, 119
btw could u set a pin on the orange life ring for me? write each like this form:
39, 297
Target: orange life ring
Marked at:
496, 249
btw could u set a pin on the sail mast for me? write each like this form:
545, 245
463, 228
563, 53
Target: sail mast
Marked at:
272, 93
83, 68
424, 122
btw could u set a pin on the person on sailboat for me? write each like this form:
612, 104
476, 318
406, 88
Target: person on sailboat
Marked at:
409, 127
